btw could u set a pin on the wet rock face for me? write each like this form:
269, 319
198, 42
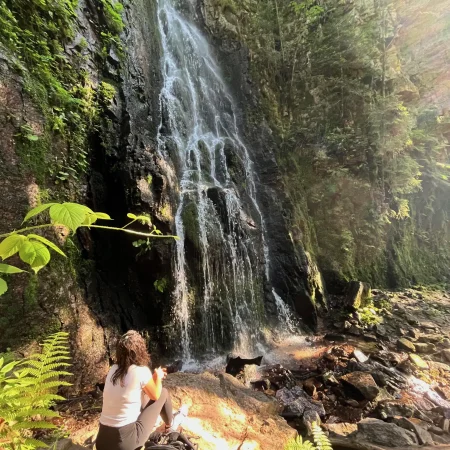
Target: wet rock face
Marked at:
294, 279
128, 176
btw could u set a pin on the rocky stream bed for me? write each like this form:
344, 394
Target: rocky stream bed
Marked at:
379, 377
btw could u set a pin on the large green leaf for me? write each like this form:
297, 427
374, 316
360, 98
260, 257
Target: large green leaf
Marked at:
47, 243
71, 215
6, 268
11, 245
102, 216
37, 210
3, 286
35, 254
89, 220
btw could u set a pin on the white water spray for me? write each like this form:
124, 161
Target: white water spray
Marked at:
219, 288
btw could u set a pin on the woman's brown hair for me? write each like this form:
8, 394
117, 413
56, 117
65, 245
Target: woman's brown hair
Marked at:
131, 349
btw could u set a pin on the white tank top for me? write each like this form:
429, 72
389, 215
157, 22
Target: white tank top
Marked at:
122, 401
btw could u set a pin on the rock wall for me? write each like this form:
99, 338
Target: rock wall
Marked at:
290, 268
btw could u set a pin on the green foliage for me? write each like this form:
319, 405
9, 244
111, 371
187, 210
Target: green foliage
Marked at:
320, 439
144, 246
299, 444
36, 33
28, 391
33, 249
144, 220
161, 285
113, 11
365, 163
321, 442
106, 91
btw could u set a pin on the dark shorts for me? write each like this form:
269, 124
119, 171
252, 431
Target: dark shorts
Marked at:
134, 435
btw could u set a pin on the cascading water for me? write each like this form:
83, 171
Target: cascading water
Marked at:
222, 258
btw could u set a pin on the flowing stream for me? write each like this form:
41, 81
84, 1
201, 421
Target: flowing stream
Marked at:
222, 259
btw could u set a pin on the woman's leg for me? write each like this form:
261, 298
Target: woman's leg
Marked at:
148, 417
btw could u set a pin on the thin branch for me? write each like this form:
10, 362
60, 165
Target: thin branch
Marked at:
128, 224
138, 233
50, 225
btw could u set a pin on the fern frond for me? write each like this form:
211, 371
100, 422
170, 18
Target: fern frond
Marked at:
26, 388
32, 412
30, 425
298, 444
320, 438
47, 399
35, 443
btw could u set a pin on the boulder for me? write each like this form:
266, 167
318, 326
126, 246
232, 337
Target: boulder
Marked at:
445, 425
360, 356
383, 433
341, 429
225, 414
418, 361
380, 378
446, 354
298, 403
422, 434
394, 408
357, 294
424, 347
444, 440
406, 345
361, 384
237, 364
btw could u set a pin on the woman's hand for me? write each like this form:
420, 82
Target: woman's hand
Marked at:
160, 373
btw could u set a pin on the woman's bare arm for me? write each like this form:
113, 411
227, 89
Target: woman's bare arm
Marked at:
154, 386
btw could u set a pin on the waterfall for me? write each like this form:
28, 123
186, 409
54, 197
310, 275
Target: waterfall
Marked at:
222, 258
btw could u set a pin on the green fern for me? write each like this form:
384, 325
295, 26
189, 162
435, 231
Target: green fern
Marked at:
298, 444
321, 441
28, 391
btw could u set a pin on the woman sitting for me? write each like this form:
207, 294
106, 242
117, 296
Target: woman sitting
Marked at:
123, 426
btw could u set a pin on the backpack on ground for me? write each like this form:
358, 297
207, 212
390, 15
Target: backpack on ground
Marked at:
169, 441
